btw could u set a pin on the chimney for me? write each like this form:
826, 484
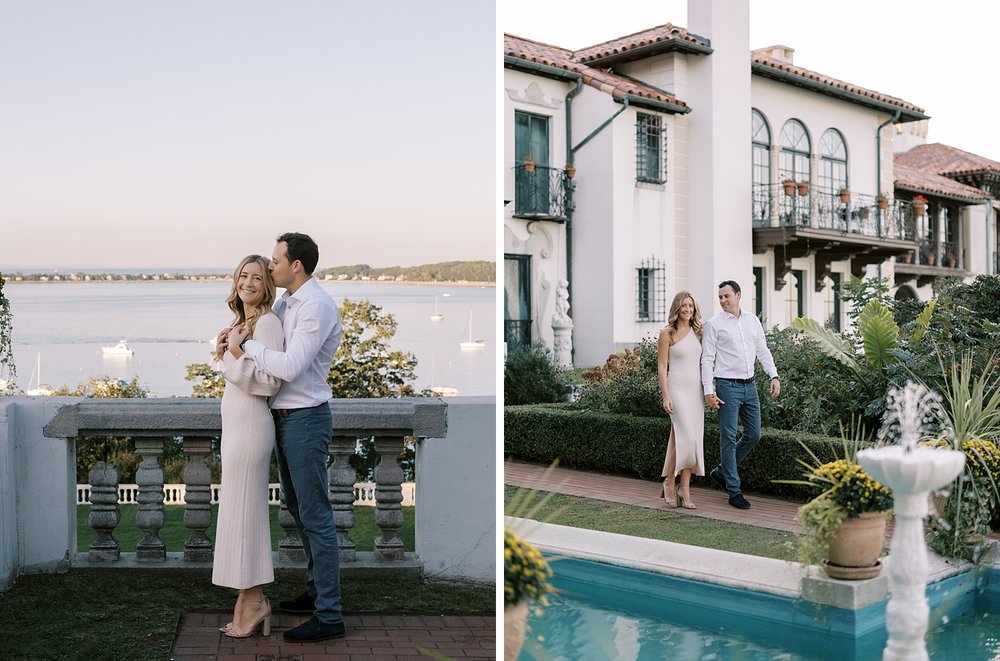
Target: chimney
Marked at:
780, 53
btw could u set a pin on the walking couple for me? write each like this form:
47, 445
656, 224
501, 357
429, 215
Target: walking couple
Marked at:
276, 398
710, 364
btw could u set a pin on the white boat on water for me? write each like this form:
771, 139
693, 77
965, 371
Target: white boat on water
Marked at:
437, 316
470, 344
120, 349
36, 376
444, 391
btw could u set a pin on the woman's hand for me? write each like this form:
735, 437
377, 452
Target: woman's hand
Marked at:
236, 337
668, 405
221, 342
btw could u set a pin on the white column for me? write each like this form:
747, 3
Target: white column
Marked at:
720, 168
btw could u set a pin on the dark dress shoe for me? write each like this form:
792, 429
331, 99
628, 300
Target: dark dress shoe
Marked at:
717, 479
313, 630
302, 604
739, 502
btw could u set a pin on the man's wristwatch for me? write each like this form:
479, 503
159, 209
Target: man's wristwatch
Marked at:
242, 343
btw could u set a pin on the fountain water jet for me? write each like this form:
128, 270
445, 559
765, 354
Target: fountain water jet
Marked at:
911, 472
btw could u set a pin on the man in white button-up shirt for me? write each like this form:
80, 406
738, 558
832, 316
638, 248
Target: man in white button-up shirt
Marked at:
304, 425
733, 342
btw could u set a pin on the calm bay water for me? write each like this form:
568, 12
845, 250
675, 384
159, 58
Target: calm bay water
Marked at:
169, 324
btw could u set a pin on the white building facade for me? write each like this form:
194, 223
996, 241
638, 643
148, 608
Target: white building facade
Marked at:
674, 158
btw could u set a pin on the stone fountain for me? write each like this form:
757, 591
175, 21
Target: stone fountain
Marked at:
912, 473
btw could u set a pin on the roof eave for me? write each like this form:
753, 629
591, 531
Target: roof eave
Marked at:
546, 70
650, 50
906, 115
653, 104
947, 196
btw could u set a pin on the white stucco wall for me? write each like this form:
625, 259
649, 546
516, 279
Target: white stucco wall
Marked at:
8, 500
456, 536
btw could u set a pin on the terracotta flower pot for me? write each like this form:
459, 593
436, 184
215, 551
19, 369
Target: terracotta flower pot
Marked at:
529, 165
883, 203
845, 196
856, 546
515, 627
803, 188
919, 208
789, 188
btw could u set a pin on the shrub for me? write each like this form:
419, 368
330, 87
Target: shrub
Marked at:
530, 377
627, 383
635, 446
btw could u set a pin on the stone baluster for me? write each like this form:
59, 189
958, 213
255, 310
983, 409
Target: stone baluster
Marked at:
149, 518
342, 476
290, 546
388, 498
198, 499
104, 512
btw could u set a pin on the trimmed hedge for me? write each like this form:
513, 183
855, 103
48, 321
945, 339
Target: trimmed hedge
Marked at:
635, 446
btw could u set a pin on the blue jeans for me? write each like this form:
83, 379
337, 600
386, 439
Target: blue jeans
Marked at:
741, 403
302, 448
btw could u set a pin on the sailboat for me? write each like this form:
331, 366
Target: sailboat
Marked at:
440, 391
437, 316
470, 344
39, 389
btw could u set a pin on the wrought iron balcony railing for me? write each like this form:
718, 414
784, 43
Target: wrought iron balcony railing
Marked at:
541, 192
856, 213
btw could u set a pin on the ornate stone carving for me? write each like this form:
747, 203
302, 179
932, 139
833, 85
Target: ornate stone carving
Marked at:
198, 499
388, 498
533, 94
104, 512
342, 476
149, 518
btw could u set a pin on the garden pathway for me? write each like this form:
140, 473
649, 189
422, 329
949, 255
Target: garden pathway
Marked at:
712, 502
369, 638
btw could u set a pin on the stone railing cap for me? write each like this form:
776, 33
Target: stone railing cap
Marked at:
423, 417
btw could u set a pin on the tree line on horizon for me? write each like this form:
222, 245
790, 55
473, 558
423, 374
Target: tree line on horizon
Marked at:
467, 271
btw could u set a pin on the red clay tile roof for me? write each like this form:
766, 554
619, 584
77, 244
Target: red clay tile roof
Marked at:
561, 58
923, 180
758, 57
661, 33
945, 160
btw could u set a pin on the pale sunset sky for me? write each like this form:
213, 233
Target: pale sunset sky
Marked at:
188, 134
938, 56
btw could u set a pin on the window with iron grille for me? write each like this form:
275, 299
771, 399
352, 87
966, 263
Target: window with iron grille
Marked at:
651, 291
650, 149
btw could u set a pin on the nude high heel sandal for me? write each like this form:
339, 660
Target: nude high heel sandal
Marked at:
264, 621
685, 501
671, 502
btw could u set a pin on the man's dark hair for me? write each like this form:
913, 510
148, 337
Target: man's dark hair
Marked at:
301, 247
732, 283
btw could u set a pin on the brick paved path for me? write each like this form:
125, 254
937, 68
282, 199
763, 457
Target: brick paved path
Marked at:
369, 638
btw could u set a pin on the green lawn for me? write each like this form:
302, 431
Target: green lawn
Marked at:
173, 533
656, 524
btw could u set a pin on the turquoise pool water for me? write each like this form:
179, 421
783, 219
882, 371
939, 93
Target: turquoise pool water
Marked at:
605, 612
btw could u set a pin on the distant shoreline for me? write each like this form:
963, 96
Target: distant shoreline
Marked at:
218, 278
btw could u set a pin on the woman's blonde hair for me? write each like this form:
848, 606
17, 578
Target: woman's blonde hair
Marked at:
675, 313
234, 301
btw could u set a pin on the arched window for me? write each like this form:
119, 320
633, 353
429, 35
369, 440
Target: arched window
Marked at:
795, 147
761, 148
832, 162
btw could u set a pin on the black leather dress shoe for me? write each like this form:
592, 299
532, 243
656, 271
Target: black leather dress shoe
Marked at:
717, 478
739, 502
313, 630
302, 604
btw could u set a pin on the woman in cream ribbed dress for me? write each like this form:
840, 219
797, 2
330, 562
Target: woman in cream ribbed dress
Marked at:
679, 371
243, 535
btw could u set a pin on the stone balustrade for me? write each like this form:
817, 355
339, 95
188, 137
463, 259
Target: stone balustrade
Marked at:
454, 492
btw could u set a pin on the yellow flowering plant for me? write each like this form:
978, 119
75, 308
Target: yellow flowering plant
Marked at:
525, 573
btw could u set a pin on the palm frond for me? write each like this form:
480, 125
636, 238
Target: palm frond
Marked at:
879, 332
830, 342
923, 321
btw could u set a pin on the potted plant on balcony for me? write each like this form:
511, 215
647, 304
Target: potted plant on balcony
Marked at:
803, 188
919, 205
529, 164
950, 259
789, 185
883, 202
845, 195
844, 526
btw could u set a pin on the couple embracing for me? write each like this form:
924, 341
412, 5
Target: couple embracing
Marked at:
711, 364
276, 399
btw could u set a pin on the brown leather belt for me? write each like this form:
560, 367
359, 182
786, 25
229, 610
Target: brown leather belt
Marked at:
284, 413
